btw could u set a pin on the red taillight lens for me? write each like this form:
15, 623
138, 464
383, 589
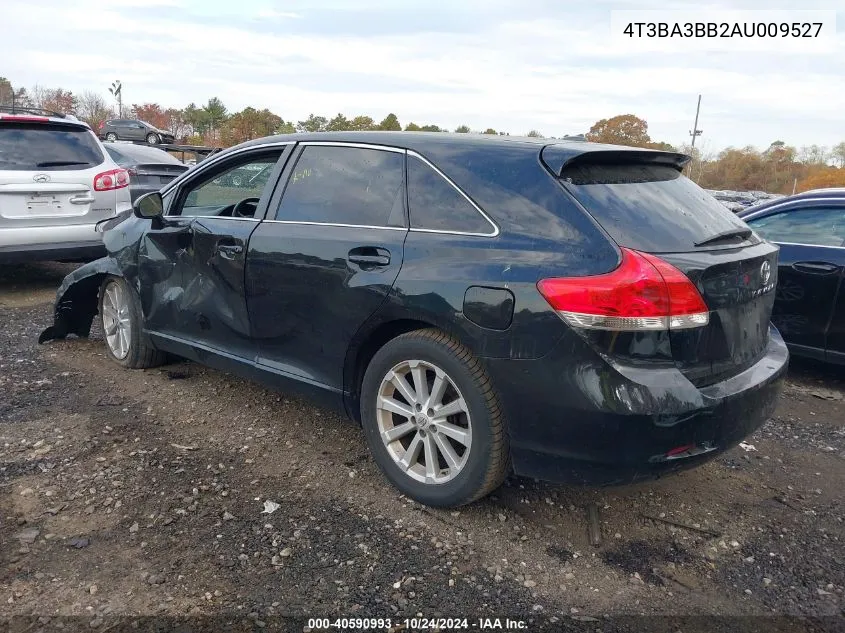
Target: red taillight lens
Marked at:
642, 293
112, 179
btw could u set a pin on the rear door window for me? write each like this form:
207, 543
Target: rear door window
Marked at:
653, 208
437, 205
45, 147
818, 226
345, 185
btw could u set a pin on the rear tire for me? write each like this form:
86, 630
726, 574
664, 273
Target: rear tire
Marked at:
441, 460
120, 314
152, 139
111, 137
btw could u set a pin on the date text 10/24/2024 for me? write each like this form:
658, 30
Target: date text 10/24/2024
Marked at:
415, 624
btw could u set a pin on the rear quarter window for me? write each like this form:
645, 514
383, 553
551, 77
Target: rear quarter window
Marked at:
652, 208
436, 205
43, 147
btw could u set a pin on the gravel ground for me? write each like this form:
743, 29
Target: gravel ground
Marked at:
140, 493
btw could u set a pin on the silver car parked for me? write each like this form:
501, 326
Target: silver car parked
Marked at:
56, 183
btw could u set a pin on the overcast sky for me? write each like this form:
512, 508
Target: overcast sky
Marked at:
513, 65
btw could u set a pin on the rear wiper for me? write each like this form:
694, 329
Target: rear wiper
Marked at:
724, 235
59, 163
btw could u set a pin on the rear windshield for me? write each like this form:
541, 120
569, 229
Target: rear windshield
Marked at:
41, 147
652, 208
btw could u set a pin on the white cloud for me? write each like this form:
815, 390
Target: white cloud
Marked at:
558, 72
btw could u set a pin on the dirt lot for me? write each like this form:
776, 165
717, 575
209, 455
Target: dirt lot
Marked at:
140, 493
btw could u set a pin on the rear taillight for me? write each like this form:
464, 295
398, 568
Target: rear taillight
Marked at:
642, 293
112, 179
102, 125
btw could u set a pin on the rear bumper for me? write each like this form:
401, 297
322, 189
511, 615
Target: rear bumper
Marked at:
594, 423
77, 242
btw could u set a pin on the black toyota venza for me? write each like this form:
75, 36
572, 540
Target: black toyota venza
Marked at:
569, 311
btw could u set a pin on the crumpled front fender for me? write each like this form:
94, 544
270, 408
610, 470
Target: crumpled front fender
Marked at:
77, 298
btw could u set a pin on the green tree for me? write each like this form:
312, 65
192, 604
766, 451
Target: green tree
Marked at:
196, 118
431, 128
286, 127
535, 134
313, 124
390, 123
462, 129
248, 124
489, 130
338, 124
216, 114
412, 127
362, 122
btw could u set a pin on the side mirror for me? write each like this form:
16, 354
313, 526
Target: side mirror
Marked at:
149, 206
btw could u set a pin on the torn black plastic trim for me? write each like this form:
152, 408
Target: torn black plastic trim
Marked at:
76, 300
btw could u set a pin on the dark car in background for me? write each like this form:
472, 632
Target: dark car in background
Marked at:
133, 130
809, 307
149, 168
569, 311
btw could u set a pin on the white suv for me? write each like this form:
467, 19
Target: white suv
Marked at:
56, 183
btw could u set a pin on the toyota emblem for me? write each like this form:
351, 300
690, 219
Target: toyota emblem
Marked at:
41, 178
765, 272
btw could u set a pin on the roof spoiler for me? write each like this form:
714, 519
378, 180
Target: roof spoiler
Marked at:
557, 157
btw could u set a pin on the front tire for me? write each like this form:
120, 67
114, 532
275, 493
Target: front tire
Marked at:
120, 313
152, 139
433, 421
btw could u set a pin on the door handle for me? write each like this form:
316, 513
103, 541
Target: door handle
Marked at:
369, 256
815, 268
82, 200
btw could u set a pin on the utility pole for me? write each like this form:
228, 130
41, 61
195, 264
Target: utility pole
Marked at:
695, 131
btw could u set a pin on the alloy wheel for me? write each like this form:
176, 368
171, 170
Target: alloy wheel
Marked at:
116, 320
424, 422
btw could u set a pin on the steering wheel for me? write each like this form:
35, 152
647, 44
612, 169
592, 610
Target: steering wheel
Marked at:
238, 210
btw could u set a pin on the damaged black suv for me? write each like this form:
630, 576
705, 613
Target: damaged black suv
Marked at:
569, 311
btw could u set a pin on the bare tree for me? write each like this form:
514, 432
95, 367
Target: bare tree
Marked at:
93, 109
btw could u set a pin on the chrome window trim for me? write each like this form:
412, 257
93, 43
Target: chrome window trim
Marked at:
339, 224
386, 148
495, 226
224, 155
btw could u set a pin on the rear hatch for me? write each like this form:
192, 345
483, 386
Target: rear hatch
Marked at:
47, 173
156, 174
149, 167
642, 200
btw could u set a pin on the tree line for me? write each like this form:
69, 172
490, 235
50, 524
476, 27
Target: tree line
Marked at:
780, 168
209, 124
